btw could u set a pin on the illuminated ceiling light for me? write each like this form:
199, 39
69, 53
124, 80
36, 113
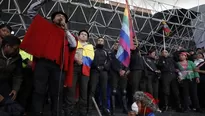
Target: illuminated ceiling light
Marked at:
106, 2
12, 32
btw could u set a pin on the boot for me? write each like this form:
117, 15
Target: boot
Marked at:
113, 105
82, 109
68, 113
166, 100
179, 108
165, 108
106, 112
124, 103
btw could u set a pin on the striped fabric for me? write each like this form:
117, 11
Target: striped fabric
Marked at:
126, 38
88, 56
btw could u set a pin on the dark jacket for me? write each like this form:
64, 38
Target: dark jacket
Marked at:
176, 56
115, 64
167, 64
101, 60
202, 67
150, 65
136, 61
11, 71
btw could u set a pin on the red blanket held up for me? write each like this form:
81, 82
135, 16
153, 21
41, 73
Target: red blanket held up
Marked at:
45, 40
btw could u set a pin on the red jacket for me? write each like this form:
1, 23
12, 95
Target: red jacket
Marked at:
46, 40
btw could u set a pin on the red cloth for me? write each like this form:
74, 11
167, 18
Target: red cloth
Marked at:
147, 110
46, 40
155, 101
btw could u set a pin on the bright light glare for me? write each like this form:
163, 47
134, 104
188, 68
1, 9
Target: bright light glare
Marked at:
12, 32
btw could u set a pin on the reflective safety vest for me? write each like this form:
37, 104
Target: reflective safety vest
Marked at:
25, 57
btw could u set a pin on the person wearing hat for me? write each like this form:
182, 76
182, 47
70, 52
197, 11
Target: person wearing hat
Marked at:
5, 30
144, 104
53, 48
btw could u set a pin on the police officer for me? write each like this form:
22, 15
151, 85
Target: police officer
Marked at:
151, 73
118, 74
99, 74
168, 67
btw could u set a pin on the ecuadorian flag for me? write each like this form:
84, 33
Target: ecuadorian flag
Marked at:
126, 38
88, 56
166, 28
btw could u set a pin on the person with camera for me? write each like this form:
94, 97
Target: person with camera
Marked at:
99, 74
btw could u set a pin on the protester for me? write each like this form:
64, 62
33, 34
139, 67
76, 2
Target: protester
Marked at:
10, 75
199, 59
137, 69
25, 93
189, 80
144, 104
82, 64
53, 46
5, 30
201, 88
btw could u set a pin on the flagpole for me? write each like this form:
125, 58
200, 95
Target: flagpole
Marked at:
164, 40
131, 21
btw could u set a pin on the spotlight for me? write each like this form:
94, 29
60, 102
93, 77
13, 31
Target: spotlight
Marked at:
12, 32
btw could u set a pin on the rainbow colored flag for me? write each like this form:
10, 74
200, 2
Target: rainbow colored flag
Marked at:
126, 38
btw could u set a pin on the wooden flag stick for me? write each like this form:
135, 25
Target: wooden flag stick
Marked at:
164, 41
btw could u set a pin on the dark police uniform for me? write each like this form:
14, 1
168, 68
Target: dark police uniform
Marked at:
99, 74
169, 79
118, 81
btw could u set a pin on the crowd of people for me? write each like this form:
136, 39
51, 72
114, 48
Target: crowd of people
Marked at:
77, 77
